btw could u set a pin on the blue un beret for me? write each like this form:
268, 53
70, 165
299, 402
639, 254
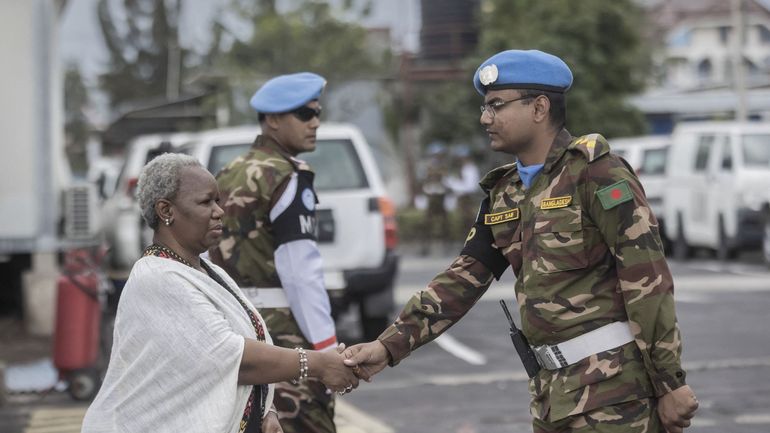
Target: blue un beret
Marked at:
284, 93
517, 69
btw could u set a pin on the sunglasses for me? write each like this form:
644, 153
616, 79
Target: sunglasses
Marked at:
306, 114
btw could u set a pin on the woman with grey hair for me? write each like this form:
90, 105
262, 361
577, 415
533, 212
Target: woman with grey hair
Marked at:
190, 352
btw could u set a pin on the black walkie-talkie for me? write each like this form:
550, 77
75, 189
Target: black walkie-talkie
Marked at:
525, 352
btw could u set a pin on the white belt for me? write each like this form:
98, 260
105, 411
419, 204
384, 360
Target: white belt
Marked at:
266, 297
571, 351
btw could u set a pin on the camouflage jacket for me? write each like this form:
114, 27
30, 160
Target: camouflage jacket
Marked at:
248, 187
586, 252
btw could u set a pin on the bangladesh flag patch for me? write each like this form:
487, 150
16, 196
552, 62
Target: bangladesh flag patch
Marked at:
615, 194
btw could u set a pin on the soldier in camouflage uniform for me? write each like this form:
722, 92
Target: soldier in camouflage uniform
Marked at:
269, 246
572, 221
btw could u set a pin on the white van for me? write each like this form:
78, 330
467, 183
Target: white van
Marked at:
356, 220
719, 188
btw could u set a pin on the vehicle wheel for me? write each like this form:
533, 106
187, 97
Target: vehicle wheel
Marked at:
724, 250
84, 384
766, 241
681, 249
372, 327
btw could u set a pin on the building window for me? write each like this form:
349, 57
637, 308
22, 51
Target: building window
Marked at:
679, 38
702, 153
764, 34
704, 70
724, 34
750, 68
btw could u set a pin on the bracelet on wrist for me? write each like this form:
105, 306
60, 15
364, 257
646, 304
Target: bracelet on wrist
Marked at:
303, 367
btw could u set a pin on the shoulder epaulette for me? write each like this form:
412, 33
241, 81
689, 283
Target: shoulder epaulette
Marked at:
593, 146
490, 179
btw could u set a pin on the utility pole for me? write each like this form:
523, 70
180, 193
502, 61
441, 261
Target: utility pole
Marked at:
408, 128
174, 69
174, 62
739, 78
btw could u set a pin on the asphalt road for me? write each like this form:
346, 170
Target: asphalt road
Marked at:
470, 380
473, 381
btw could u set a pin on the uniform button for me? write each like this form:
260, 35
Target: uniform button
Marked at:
679, 374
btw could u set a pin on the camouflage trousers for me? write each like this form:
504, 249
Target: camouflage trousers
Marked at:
635, 416
309, 406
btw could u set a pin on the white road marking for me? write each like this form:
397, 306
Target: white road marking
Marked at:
350, 419
521, 376
703, 422
717, 283
347, 417
49, 420
753, 419
454, 347
738, 268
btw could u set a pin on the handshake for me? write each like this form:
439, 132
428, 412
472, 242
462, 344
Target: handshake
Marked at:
341, 371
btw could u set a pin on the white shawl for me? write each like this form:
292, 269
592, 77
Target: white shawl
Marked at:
178, 343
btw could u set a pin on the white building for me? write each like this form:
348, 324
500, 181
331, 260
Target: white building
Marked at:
695, 62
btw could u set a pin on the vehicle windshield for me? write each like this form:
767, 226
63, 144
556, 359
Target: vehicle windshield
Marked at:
654, 161
335, 163
756, 150
223, 154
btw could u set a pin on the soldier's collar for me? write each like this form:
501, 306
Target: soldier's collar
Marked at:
506, 171
558, 149
270, 143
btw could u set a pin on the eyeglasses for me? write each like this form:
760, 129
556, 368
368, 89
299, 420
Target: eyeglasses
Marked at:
306, 114
493, 106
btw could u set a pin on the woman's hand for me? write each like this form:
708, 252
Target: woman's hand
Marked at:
331, 371
270, 423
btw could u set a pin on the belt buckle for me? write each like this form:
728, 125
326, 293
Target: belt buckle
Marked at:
547, 357
544, 357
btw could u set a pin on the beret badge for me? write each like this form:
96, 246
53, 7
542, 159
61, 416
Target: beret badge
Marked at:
488, 74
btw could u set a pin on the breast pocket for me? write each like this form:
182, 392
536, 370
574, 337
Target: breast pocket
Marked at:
559, 240
508, 241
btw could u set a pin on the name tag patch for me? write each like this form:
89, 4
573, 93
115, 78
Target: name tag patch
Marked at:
501, 217
555, 202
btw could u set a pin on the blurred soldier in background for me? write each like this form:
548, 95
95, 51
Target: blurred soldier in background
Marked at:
435, 220
269, 245
464, 183
595, 294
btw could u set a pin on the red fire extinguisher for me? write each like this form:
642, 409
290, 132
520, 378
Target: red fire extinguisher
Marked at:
80, 297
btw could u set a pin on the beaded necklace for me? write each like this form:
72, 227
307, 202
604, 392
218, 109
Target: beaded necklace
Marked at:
251, 421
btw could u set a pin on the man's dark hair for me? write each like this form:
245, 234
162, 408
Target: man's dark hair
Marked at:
558, 111
261, 117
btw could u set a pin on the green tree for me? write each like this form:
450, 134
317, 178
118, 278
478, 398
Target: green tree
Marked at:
310, 37
76, 126
142, 41
443, 105
602, 42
